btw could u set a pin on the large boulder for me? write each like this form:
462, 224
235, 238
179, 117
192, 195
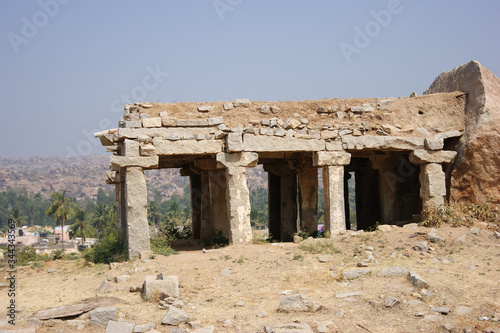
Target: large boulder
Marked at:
475, 174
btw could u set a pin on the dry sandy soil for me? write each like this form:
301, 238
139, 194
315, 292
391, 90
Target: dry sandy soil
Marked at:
434, 112
459, 274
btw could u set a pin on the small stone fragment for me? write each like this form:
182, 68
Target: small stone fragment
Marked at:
205, 108
417, 281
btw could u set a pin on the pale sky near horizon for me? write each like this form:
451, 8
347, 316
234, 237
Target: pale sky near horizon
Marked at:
68, 66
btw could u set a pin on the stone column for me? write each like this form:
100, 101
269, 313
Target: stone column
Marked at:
274, 205
308, 199
332, 164
137, 211
218, 199
207, 220
237, 194
432, 177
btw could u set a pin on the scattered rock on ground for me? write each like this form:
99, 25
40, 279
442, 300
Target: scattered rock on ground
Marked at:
390, 301
349, 294
175, 316
417, 281
101, 316
393, 271
225, 271
354, 274
298, 303
325, 258
119, 327
291, 328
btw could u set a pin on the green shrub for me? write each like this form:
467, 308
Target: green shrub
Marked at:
217, 240
110, 249
161, 245
27, 255
460, 214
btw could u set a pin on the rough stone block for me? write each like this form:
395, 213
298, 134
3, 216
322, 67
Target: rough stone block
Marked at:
131, 148
434, 143
370, 142
119, 327
130, 124
323, 158
215, 121
384, 104
432, 181
163, 114
334, 145
298, 303
327, 135
153, 287
417, 281
357, 109
423, 156
151, 122
234, 142
175, 317
259, 143
101, 316
166, 147
369, 107
228, 106
148, 150
143, 162
243, 102
168, 121
245, 159
205, 108
192, 122
292, 123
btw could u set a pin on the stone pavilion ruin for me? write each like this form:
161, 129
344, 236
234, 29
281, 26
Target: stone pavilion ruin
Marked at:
403, 152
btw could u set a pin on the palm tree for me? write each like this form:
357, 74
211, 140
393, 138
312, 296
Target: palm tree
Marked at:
99, 218
81, 228
154, 214
61, 209
17, 216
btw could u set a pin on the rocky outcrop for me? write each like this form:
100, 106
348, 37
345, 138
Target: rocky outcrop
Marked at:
475, 174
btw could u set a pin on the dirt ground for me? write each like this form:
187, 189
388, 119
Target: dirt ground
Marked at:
459, 274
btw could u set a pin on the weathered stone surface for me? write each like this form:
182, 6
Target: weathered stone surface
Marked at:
393, 271
153, 287
421, 246
101, 316
357, 109
425, 156
327, 135
143, 162
290, 328
130, 148
242, 102
354, 274
137, 217
334, 145
168, 121
63, 311
148, 150
334, 216
122, 278
144, 328
228, 106
417, 281
462, 310
292, 123
259, 143
119, 327
192, 122
234, 142
215, 121
475, 176
434, 143
175, 317
151, 122
130, 124
390, 301
165, 147
106, 287
432, 185
325, 258
384, 104
434, 238
441, 310
323, 158
370, 142
298, 303
205, 108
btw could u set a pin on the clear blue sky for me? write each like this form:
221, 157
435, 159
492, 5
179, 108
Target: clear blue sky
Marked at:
66, 65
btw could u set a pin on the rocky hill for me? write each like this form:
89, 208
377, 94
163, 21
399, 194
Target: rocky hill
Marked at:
83, 176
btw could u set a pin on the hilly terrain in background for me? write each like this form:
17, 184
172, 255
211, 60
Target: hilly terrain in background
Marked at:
83, 176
